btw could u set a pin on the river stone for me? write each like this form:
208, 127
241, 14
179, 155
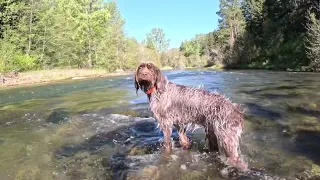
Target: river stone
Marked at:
145, 129
183, 167
58, 116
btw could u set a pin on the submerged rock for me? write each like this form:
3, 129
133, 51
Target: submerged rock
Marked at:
32, 173
183, 167
57, 116
309, 110
315, 170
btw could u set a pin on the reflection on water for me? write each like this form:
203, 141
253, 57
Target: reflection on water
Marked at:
100, 129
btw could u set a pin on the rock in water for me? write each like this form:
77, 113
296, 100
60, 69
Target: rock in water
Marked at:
183, 167
59, 115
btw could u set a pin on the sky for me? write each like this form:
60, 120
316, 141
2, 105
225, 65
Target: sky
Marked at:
180, 20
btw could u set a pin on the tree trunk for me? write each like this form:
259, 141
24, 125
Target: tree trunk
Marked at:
117, 53
30, 28
89, 55
88, 12
232, 37
43, 46
96, 54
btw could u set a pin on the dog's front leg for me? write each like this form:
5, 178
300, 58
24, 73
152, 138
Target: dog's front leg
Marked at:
167, 132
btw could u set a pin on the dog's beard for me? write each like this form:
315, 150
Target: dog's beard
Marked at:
145, 85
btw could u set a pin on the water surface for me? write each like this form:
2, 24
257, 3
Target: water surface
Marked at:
100, 129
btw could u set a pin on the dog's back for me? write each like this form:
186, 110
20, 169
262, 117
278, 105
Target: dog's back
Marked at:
185, 104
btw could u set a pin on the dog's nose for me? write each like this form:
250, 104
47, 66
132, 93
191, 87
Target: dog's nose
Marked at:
144, 74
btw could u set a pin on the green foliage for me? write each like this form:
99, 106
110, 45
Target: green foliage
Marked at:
274, 36
7, 53
192, 47
313, 41
48, 34
263, 34
45, 34
12, 59
173, 58
24, 62
156, 40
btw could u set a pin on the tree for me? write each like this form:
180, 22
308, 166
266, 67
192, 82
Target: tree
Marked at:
17, 32
10, 14
313, 41
192, 47
156, 40
231, 18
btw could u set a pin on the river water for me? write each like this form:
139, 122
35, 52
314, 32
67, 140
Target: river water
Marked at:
100, 129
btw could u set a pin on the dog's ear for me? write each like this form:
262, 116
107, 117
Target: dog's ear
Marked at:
136, 83
160, 79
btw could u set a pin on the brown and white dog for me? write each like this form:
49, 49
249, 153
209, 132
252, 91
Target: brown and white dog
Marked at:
179, 106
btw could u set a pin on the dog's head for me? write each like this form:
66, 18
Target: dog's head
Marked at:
149, 78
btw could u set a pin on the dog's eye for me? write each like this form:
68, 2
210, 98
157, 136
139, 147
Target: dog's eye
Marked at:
142, 66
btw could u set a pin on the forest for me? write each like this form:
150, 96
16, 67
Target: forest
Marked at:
255, 34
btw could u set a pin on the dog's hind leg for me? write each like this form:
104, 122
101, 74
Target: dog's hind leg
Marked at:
183, 139
212, 139
228, 141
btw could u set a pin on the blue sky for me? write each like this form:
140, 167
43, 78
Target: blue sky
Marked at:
180, 20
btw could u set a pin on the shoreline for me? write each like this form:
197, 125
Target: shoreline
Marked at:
32, 78
40, 77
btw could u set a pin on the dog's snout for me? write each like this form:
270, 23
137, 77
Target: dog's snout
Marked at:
144, 73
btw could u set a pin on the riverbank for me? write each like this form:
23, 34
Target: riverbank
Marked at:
273, 67
55, 75
12, 80
48, 76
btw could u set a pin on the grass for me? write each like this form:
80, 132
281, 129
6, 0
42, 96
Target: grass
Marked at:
46, 76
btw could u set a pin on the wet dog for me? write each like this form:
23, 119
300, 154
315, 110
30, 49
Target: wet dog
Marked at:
182, 106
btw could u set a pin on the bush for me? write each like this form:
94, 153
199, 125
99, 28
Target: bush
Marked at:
24, 62
13, 60
7, 53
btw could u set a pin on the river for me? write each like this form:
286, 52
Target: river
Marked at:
101, 129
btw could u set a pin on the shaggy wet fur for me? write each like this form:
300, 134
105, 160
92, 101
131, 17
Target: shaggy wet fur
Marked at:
181, 106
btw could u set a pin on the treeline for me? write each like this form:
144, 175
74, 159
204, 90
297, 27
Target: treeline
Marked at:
266, 34
46, 34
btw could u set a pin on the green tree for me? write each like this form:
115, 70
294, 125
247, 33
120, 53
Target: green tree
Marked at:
17, 33
313, 41
156, 40
231, 18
